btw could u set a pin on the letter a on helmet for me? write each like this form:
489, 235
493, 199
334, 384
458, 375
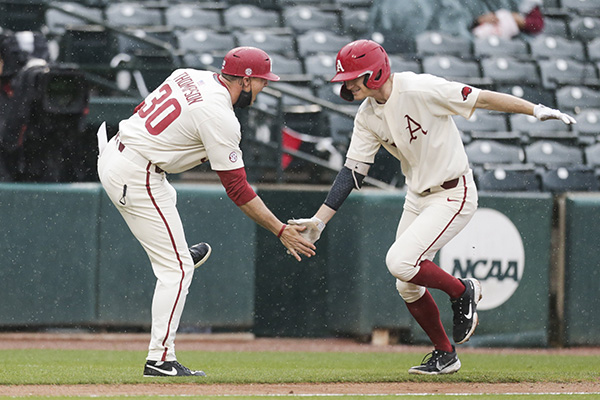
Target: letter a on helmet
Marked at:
362, 58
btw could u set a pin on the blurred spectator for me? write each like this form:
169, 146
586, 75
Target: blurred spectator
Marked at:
509, 18
396, 24
42, 106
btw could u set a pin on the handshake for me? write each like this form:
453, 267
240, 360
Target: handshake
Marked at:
314, 227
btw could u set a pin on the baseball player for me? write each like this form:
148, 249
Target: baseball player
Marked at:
188, 120
410, 115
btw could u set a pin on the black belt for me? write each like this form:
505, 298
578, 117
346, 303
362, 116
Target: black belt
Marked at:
446, 185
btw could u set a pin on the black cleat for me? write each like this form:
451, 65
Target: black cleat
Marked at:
200, 253
465, 311
437, 362
168, 368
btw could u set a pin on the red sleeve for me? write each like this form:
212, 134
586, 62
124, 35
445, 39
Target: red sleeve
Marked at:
534, 21
236, 185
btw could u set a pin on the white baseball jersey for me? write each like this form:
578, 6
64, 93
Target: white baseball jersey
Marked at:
186, 121
415, 125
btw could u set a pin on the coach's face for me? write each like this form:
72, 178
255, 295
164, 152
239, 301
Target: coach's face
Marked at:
257, 85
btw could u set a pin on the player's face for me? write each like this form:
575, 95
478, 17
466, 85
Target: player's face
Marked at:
357, 88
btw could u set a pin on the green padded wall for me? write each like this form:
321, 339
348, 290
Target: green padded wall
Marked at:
582, 270
291, 296
222, 290
49, 253
362, 293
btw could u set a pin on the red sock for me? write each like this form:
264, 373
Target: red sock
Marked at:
432, 276
426, 313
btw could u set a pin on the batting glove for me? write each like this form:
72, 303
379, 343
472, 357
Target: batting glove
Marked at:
314, 227
543, 113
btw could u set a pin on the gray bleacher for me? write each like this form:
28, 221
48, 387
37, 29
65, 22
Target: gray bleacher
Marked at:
558, 67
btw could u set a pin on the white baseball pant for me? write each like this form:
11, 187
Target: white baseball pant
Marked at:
148, 205
428, 222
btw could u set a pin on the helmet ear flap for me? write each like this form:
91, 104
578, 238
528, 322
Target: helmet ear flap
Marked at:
346, 94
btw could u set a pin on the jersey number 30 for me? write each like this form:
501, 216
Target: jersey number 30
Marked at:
159, 111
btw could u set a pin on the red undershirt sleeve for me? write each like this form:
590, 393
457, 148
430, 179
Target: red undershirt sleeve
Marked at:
236, 185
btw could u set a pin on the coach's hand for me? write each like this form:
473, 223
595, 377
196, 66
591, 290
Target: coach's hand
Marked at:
294, 240
544, 113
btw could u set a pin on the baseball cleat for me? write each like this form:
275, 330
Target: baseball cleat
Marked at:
465, 311
200, 253
168, 368
437, 362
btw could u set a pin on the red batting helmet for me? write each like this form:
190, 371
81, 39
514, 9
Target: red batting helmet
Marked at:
248, 61
362, 57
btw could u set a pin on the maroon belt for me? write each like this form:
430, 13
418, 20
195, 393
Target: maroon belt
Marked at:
158, 169
446, 185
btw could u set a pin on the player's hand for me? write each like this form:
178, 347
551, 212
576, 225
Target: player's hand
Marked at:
544, 113
314, 227
293, 239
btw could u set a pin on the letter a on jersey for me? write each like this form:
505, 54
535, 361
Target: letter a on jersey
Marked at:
413, 127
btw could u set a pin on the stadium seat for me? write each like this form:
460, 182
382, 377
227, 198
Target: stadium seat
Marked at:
133, 15
534, 93
206, 61
498, 47
502, 179
556, 27
130, 45
270, 42
401, 64
588, 125
560, 72
353, 3
582, 7
482, 120
322, 65
551, 154
534, 129
451, 67
394, 43
438, 43
192, 16
320, 41
296, 3
57, 21
569, 179
577, 98
250, 16
490, 152
584, 29
505, 70
355, 21
305, 18
204, 41
592, 155
285, 66
544, 46
593, 49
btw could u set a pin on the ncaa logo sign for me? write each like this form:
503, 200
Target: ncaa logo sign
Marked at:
490, 249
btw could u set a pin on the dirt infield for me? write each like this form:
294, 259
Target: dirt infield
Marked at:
242, 342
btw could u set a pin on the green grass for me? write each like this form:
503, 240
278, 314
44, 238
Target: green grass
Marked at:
34, 366
60, 367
